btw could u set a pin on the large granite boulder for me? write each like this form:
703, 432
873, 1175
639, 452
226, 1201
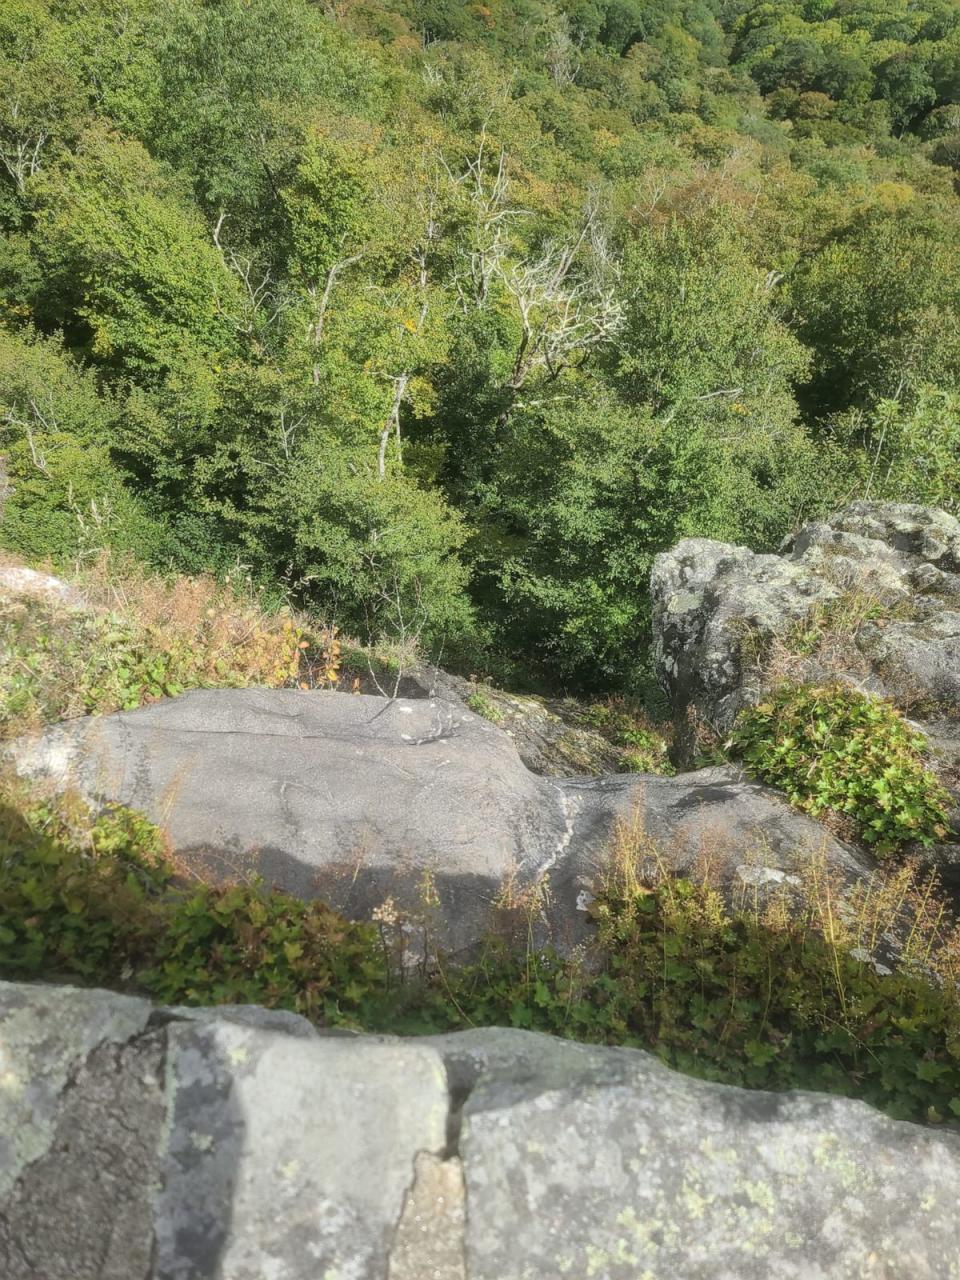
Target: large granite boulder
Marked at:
356, 798
139, 1143
893, 568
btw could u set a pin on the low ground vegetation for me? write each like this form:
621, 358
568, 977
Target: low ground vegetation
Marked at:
137, 636
776, 991
836, 751
644, 743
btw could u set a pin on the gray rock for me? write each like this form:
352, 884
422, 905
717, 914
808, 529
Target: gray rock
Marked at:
193, 1149
248, 1015
201, 1148
81, 1108
602, 1162
717, 608
289, 1157
48, 1032
17, 580
356, 799
551, 735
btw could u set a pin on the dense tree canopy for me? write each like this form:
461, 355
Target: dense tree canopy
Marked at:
451, 315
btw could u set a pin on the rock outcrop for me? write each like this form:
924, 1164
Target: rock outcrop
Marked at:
18, 581
887, 575
140, 1143
355, 798
553, 736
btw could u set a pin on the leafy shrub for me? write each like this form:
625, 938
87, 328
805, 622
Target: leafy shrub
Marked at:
728, 997
836, 750
771, 993
246, 944
76, 893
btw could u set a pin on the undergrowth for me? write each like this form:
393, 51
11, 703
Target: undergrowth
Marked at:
644, 746
137, 637
835, 750
777, 990
97, 899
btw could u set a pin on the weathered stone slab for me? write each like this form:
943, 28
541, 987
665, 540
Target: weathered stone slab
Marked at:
359, 800
715, 607
602, 1162
290, 1158
205, 1148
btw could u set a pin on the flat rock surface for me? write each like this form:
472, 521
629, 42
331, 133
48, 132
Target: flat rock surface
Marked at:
174, 1149
356, 799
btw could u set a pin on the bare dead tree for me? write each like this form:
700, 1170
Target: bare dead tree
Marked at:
399, 616
561, 54
401, 380
264, 300
36, 417
491, 215
567, 300
288, 430
21, 158
321, 303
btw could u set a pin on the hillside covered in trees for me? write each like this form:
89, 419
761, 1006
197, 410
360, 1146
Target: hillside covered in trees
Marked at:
446, 317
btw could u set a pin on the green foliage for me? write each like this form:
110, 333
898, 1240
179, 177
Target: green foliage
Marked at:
76, 895
456, 315
96, 900
910, 449
836, 750
728, 997
328, 208
55, 428
246, 945
382, 555
703, 339
878, 304
725, 995
645, 749
481, 704
126, 257
587, 492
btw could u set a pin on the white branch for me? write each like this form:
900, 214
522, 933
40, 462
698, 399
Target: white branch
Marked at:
264, 301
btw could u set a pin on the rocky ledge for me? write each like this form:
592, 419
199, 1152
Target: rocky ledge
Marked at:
355, 799
869, 598
893, 567
142, 1143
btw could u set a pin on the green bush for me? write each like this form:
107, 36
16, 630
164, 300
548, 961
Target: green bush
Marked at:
76, 895
836, 750
97, 900
244, 944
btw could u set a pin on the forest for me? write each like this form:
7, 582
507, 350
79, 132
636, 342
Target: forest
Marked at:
441, 319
